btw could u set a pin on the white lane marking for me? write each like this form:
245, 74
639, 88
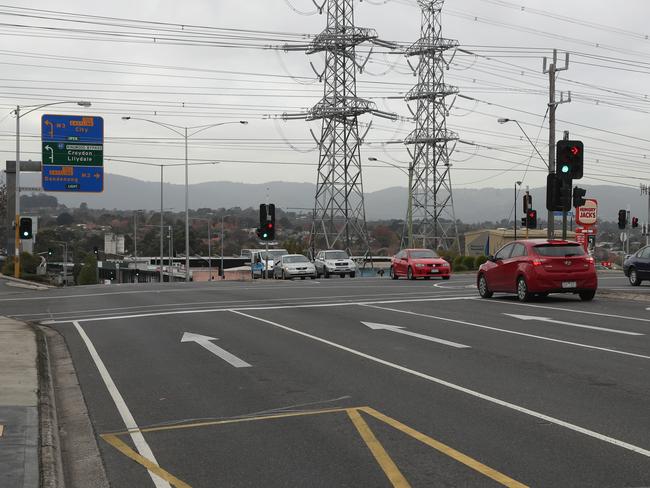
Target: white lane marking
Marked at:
134, 431
453, 386
272, 307
204, 341
401, 330
561, 309
217, 302
560, 322
506, 331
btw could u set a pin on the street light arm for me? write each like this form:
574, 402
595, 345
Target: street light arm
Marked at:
201, 128
503, 121
375, 160
38, 107
171, 127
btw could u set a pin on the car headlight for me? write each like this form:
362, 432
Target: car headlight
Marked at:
419, 265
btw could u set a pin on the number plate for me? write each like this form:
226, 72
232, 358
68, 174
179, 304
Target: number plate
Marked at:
569, 284
433, 271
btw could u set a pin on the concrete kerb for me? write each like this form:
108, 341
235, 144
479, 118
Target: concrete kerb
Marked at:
31, 284
74, 455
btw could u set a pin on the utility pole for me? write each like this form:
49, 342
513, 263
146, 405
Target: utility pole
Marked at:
552, 106
645, 190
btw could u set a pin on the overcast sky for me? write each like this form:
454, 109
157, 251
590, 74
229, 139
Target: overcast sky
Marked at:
608, 76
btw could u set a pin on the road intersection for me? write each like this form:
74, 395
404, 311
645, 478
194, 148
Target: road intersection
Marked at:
363, 382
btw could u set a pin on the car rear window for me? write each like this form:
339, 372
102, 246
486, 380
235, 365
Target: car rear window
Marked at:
559, 250
424, 254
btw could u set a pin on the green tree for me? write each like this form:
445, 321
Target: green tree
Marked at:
88, 273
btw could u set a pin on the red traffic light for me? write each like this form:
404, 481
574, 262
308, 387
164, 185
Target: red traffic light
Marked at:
269, 225
575, 150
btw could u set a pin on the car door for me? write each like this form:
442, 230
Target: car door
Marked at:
510, 267
318, 262
495, 276
643, 263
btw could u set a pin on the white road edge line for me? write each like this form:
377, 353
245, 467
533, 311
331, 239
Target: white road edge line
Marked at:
453, 386
228, 309
134, 431
543, 338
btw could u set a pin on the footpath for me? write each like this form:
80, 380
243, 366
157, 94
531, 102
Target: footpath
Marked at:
19, 420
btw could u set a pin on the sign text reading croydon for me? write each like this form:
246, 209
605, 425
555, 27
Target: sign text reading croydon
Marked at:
73, 153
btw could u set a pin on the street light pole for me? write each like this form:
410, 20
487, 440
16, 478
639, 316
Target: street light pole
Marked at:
209, 248
184, 133
162, 246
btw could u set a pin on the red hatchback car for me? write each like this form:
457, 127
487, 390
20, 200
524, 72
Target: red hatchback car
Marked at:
539, 267
419, 263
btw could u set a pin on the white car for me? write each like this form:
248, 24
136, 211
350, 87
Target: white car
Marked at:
334, 263
292, 266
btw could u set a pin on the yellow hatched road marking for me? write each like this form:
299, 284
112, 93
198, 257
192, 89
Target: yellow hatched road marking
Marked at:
383, 459
114, 441
449, 451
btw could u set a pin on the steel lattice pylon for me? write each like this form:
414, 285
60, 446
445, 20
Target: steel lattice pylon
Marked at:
431, 221
339, 219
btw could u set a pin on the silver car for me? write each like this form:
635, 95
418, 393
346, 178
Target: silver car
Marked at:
334, 263
291, 266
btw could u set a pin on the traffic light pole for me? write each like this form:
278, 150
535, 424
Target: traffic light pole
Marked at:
564, 212
17, 194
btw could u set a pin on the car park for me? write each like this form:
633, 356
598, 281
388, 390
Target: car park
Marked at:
537, 267
637, 266
419, 263
333, 262
291, 266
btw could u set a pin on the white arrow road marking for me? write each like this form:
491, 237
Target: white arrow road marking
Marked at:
214, 349
400, 330
582, 326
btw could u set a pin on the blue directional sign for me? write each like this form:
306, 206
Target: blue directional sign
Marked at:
73, 178
73, 153
72, 128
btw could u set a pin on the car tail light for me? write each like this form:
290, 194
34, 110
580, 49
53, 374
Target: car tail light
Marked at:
537, 262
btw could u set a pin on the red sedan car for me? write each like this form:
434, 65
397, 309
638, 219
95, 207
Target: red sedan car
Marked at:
539, 267
419, 263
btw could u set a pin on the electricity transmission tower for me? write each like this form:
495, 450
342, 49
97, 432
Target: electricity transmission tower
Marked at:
431, 221
339, 217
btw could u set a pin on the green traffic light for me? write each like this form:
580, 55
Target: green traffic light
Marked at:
565, 168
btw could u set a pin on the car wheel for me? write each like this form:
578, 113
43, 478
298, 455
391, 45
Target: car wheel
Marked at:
409, 274
284, 277
326, 273
353, 274
634, 277
522, 290
483, 289
427, 277
587, 296
392, 273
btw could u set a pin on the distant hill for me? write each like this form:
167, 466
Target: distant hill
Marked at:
472, 205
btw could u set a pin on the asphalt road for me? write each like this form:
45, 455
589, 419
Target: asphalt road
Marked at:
357, 383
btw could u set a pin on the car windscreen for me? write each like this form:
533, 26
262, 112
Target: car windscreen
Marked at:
423, 254
559, 250
336, 255
295, 259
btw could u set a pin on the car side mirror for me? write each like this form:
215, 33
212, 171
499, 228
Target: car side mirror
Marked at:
491, 258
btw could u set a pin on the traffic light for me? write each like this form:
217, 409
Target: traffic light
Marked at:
266, 232
635, 222
558, 193
579, 197
531, 219
96, 251
50, 252
528, 202
622, 219
25, 228
570, 159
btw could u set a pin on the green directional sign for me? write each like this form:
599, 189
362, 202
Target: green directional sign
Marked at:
74, 154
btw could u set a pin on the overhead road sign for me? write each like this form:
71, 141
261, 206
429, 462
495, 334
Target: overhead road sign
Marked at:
73, 153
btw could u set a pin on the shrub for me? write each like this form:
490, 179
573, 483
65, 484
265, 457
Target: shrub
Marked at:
459, 267
469, 262
88, 273
479, 260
